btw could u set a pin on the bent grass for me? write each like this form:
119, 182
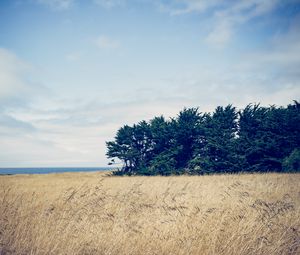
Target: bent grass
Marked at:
93, 213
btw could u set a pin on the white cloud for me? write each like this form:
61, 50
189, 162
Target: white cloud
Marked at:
57, 4
17, 91
246, 7
227, 19
108, 4
221, 34
10, 126
180, 7
71, 131
280, 59
105, 42
212, 87
11, 72
16, 85
227, 15
74, 56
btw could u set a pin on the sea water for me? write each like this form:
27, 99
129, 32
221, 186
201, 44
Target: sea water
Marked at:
47, 170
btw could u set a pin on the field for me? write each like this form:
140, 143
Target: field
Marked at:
94, 213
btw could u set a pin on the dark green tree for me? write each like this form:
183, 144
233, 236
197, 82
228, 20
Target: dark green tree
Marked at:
253, 139
132, 145
256, 143
186, 129
122, 148
219, 151
164, 151
292, 162
267, 135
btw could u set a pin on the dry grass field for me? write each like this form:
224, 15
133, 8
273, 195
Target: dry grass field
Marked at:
93, 213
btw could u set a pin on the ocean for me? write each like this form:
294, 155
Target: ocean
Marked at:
47, 170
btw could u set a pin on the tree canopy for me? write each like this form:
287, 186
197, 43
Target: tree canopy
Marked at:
253, 139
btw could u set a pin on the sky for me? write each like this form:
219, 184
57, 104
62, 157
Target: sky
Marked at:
72, 72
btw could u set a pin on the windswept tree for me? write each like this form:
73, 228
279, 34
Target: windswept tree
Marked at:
122, 149
267, 135
219, 152
250, 136
253, 139
163, 161
186, 129
132, 145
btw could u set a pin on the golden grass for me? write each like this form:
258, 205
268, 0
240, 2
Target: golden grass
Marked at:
91, 213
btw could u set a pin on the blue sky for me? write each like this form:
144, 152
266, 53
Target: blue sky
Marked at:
72, 71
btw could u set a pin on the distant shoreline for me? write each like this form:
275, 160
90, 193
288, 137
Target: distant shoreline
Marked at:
49, 170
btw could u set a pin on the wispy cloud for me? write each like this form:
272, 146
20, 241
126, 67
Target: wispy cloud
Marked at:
248, 7
11, 71
74, 56
105, 42
10, 126
282, 56
180, 7
221, 34
58, 5
16, 87
17, 91
96, 93
227, 16
108, 4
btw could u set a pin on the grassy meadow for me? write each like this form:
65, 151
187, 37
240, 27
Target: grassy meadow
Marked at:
94, 213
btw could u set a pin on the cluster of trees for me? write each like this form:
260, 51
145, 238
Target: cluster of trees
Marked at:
228, 140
